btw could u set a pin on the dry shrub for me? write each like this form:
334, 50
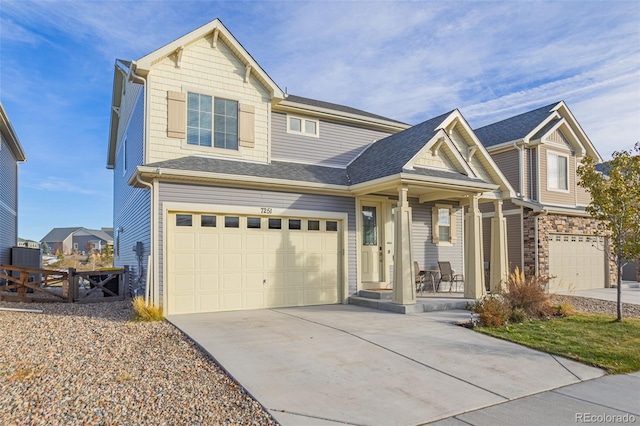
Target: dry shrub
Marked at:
493, 311
518, 315
528, 294
564, 310
144, 312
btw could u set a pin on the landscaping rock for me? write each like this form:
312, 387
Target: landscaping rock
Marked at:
597, 306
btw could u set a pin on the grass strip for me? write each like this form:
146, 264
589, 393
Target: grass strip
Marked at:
597, 340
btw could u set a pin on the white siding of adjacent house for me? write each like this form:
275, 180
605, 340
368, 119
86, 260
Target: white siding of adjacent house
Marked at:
336, 145
8, 202
202, 194
131, 206
213, 71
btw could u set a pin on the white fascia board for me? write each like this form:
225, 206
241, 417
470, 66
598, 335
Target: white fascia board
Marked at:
562, 123
288, 106
441, 135
144, 64
150, 173
448, 183
586, 142
504, 146
116, 101
537, 207
553, 114
494, 170
10, 135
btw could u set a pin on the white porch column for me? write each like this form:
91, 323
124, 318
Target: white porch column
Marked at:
473, 268
499, 256
404, 290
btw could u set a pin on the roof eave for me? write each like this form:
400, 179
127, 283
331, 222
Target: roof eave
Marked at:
11, 136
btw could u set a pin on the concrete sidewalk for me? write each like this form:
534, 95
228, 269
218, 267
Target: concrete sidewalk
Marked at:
345, 364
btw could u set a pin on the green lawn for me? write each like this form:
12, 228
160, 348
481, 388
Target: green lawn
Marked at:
596, 340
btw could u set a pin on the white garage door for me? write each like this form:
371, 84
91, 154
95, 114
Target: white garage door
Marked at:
576, 261
225, 262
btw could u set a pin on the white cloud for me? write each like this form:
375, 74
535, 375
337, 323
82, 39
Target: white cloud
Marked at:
57, 184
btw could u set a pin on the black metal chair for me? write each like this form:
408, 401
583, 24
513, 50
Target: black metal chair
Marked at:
447, 275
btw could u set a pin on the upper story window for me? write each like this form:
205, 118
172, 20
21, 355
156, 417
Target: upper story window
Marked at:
302, 126
212, 120
557, 171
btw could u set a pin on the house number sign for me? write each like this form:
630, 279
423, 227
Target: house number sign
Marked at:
265, 210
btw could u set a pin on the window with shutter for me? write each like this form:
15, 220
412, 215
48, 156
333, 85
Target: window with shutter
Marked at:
443, 225
208, 121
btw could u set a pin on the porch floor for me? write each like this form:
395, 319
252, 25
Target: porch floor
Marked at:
425, 302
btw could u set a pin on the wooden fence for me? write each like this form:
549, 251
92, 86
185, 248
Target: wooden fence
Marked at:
45, 285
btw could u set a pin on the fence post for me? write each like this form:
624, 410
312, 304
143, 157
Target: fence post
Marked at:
72, 283
126, 286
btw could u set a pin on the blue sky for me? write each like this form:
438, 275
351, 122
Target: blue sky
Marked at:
406, 60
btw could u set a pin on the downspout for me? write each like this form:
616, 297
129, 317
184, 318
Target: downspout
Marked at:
150, 281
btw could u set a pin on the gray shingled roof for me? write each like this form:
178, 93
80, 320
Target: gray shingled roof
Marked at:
513, 128
59, 234
336, 107
275, 170
387, 156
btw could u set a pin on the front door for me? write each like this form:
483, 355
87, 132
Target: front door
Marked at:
371, 249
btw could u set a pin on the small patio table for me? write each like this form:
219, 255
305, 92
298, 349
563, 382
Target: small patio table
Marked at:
433, 274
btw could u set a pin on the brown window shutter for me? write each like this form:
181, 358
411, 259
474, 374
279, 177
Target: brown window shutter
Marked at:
177, 115
247, 127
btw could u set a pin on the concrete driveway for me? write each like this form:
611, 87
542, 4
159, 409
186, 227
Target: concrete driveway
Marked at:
346, 364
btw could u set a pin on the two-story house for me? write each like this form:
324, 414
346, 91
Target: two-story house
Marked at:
549, 232
230, 194
11, 153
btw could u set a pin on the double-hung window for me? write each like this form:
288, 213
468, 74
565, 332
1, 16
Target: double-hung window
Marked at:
443, 221
212, 121
557, 171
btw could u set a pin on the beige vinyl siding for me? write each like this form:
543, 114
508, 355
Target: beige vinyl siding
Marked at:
8, 202
583, 196
440, 160
131, 206
558, 138
202, 194
509, 164
553, 197
336, 145
514, 240
217, 72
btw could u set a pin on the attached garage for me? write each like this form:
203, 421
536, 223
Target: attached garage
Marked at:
225, 261
577, 262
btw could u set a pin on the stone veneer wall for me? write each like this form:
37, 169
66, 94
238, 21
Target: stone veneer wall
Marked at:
556, 224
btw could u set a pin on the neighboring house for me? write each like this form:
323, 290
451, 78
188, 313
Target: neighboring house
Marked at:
11, 154
76, 240
28, 243
549, 232
240, 196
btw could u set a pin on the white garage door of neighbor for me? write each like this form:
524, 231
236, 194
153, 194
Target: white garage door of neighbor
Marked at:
576, 261
226, 262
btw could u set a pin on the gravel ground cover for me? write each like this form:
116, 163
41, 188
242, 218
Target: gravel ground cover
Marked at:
88, 364
597, 306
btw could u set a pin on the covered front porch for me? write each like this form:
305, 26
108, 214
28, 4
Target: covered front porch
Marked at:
411, 225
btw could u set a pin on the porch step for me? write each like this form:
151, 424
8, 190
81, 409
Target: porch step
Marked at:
422, 305
376, 294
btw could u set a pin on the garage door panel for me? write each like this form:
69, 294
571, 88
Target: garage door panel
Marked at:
184, 261
233, 268
208, 282
231, 261
254, 261
253, 300
208, 241
208, 261
231, 241
183, 241
209, 302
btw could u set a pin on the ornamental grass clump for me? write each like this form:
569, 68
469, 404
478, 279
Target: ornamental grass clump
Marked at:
493, 311
528, 294
145, 312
